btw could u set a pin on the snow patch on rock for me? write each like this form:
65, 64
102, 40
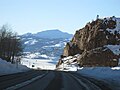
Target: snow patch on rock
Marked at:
114, 48
112, 31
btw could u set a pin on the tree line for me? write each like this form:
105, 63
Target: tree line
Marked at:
10, 44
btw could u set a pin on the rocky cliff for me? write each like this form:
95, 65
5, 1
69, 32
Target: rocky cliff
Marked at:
98, 43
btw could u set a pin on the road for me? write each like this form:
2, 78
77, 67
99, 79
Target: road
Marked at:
50, 80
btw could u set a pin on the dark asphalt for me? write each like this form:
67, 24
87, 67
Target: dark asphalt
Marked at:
52, 80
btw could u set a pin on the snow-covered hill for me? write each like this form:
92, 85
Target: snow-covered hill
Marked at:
45, 45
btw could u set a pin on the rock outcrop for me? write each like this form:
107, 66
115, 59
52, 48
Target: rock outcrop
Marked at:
91, 40
98, 57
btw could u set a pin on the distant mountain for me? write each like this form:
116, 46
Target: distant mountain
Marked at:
46, 44
51, 34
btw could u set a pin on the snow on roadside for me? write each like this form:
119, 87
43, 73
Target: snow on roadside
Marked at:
107, 74
100, 72
8, 68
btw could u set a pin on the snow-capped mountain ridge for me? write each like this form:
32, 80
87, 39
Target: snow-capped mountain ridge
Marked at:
49, 34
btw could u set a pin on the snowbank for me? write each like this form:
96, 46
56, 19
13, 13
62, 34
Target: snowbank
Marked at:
8, 68
101, 72
111, 75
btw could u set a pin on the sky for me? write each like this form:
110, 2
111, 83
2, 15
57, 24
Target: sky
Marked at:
33, 16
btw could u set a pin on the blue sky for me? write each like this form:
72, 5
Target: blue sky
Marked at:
67, 15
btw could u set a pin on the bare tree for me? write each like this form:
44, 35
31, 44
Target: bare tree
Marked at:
10, 44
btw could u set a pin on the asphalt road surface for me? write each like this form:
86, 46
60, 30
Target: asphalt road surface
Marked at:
50, 80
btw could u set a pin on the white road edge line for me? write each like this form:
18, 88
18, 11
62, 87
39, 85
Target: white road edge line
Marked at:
24, 83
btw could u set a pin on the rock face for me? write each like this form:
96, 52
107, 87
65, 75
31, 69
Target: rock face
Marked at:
98, 57
90, 42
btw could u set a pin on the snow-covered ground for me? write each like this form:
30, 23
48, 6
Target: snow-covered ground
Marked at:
39, 63
37, 55
26, 64
8, 68
101, 72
